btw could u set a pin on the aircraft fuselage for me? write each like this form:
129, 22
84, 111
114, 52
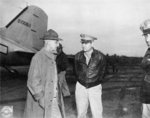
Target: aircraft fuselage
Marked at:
12, 54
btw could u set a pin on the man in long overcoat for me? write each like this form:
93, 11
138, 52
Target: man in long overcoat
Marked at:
44, 100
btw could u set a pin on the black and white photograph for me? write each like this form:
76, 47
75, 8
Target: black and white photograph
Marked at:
75, 59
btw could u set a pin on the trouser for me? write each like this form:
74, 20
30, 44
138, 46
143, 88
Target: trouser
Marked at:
89, 96
55, 109
146, 111
63, 84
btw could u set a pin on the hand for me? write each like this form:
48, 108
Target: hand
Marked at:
148, 59
42, 103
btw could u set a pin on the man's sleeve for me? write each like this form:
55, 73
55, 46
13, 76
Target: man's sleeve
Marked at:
102, 71
34, 83
103, 62
65, 62
146, 61
75, 65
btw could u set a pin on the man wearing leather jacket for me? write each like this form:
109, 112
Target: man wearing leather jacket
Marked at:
90, 68
145, 89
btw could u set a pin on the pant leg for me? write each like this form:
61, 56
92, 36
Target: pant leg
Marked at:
95, 101
81, 100
63, 84
65, 88
146, 111
55, 109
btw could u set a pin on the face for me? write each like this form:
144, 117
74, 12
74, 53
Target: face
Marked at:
87, 46
59, 49
51, 45
147, 39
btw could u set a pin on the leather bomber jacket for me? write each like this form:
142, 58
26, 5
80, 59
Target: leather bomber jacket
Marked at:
92, 74
146, 65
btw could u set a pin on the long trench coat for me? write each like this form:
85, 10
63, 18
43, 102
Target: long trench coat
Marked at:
40, 84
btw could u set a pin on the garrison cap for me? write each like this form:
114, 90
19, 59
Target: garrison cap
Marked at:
87, 38
51, 35
145, 27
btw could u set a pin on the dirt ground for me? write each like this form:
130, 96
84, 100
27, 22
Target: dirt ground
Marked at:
121, 93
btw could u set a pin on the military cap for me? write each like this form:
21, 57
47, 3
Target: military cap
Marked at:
51, 35
87, 38
145, 27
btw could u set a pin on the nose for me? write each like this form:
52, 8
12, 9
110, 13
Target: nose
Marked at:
148, 38
57, 43
84, 44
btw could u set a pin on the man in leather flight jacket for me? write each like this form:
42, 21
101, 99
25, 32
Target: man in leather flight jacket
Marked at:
90, 67
145, 89
92, 74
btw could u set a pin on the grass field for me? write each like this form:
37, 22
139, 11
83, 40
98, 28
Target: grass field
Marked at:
121, 93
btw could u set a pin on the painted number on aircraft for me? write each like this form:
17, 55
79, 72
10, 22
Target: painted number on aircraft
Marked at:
3, 49
24, 23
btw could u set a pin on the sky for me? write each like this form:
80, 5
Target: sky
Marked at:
114, 22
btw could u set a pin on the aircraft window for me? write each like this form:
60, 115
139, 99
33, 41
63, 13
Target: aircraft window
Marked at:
3, 49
